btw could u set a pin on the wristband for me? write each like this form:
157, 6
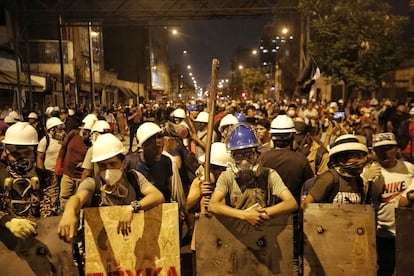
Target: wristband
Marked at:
136, 206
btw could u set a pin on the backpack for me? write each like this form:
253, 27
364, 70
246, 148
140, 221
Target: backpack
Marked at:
309, 183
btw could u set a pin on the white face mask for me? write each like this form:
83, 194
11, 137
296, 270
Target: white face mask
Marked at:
111, 176
291, 113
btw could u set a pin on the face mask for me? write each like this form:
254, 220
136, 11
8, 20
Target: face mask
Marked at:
291, 113
23, 166
111, 176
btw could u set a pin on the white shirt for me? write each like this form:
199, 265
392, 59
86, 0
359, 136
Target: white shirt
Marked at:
51, 153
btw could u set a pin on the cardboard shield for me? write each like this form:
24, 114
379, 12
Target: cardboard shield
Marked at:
44, 254
339, 239
152, 248
404, 241
227, 246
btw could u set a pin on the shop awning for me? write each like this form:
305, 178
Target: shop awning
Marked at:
128, 92
8, 80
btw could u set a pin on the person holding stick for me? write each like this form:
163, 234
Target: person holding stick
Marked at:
249, 190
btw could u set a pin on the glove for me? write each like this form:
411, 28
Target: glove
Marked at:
59, 167
371, 172
22, 228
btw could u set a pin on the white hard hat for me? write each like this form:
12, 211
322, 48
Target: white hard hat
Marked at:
71, 112
13, 114
49, 110
89, 121
227, 120
32, 115
101, 126
106, 146
202, 117
347, 142
146, 131
219, 155
9, 120
21, 133
179, 113
282, 124
52, 122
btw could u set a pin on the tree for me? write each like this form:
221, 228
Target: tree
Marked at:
253, 80
354, 41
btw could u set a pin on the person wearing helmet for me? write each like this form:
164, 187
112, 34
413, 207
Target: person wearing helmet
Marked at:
200, 138
34, 121
193, 111
12, 118
392, 181
21, 193
343, 183
292, 166
225, 123
117, 186
200, 191
100, 127
150, 161
71, 156
47, 153
245, 187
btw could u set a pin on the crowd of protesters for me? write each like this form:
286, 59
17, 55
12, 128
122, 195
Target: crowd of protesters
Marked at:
357, 142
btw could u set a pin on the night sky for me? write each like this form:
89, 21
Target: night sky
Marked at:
205, 40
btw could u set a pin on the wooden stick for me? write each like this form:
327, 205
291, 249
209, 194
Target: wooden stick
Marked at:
210, 127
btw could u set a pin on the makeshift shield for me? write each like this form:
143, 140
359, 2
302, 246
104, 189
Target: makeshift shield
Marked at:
152, 247
227, 246
339, 239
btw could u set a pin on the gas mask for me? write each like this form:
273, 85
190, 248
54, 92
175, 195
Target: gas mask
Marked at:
245, 170
23, 166
22, 195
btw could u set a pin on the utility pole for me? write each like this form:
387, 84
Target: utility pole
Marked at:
62, 67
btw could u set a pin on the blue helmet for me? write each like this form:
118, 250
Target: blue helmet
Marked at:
192, 107
241, 117
242, 136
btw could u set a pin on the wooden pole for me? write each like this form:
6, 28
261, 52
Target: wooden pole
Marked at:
210, 128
